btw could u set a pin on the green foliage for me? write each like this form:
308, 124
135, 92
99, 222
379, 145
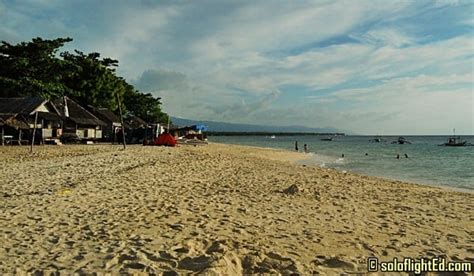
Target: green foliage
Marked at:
31, 68
91, 79
35, 69
145, 106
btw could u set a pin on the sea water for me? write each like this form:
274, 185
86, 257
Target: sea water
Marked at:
427, 162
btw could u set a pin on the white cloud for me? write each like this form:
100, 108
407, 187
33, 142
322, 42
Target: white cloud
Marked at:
236, 61
386, 37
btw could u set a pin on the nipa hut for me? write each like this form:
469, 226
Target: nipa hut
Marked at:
17, 117
79, 121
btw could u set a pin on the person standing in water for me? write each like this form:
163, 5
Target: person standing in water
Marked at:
296, 145
305, 148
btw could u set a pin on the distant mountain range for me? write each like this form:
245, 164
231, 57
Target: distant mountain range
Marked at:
231, 127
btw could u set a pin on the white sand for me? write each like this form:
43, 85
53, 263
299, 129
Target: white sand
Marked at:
214, 208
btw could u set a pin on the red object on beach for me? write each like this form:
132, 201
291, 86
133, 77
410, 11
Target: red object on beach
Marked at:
165, 139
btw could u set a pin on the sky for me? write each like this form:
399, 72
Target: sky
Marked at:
366, 67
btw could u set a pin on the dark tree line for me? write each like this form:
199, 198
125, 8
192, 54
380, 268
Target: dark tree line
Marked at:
36, 69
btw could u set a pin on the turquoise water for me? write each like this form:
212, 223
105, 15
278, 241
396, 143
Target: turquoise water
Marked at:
427, 163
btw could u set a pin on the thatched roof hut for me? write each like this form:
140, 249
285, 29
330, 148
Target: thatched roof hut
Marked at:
76, 113
15, 112
105, 115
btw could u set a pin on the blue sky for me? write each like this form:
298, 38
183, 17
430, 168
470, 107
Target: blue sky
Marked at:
371, 67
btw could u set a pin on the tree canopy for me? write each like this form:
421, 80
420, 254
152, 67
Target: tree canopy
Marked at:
36, 69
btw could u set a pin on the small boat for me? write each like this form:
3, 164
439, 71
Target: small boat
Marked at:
272, 137
193, 142
401, 141
327, 139
377, 140
454, 141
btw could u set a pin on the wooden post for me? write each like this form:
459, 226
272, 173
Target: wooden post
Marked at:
121, 121
19, 137
144, 136
3, 136
34, 132
42, 132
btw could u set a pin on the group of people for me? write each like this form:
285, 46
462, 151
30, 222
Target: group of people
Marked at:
398, 156
306, 150
305, 147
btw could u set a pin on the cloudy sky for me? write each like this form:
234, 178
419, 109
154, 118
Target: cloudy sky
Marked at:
371, 67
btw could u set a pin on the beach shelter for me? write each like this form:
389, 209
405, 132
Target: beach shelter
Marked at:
200, 128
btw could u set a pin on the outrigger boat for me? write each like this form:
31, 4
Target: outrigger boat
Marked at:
327, 139
401, 141
377, 140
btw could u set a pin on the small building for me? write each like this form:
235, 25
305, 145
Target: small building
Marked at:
138, 131
188, 132
79, 121
17, 117
112, 121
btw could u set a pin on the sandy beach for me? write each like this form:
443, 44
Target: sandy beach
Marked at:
221, 209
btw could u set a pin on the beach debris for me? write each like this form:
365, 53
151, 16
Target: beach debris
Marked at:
293, 189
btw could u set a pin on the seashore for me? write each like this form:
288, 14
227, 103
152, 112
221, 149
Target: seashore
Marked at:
220, 209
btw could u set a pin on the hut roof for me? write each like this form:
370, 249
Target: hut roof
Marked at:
50, 116
26, 105
15, 112
16, 121
135, 122
104, 114
76, 113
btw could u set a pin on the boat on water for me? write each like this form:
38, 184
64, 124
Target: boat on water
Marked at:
377, 140
456, 141
272, 137
401, 141
327, 139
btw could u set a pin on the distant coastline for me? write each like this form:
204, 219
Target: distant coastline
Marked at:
246, 133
